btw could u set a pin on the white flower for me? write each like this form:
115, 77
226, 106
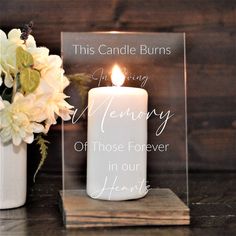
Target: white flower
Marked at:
19, 120
57, 106
14, 37
37, 111
40, 55
8, 54
51, 87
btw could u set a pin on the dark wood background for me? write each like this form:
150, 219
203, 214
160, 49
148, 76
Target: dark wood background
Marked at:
210, 26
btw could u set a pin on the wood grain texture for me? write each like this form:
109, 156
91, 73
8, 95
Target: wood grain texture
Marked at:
158, 207
210, 26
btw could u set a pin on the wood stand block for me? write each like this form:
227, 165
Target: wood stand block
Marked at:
158, 207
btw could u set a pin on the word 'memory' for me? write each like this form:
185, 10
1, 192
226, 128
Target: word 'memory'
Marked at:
162, 116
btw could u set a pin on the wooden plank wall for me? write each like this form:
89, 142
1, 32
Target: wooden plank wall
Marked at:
211, 57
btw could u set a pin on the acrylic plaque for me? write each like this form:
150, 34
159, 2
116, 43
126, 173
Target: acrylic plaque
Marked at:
125, 138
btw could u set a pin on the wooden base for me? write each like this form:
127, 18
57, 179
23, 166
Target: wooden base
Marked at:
158, 207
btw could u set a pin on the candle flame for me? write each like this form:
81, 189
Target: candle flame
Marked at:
117, 76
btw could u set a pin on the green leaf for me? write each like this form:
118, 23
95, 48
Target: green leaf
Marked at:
81, 81
23, 58
43, 148
29, 80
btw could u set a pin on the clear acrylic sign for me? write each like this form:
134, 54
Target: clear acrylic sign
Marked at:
154, 62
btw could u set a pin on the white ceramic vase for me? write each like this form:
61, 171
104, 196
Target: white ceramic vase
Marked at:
13, 175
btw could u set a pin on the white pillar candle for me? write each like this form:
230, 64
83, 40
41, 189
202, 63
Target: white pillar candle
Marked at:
117, 138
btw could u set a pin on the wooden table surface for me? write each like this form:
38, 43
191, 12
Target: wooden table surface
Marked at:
212, 204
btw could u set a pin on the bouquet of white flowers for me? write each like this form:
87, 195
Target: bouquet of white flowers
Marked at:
31, 86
